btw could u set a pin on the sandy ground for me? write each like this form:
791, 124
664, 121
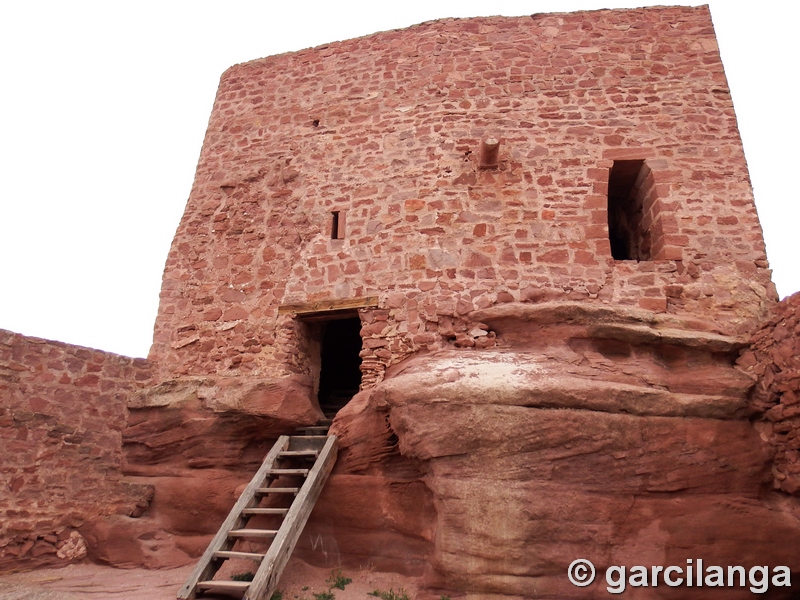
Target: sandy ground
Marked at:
300, 581
92, 581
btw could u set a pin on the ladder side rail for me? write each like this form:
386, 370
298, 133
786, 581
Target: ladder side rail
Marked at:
235, 520
268, 574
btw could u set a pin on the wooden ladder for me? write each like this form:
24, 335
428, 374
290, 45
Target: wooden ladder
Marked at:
288, 460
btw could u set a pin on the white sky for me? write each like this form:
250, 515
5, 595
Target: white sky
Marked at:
104, 105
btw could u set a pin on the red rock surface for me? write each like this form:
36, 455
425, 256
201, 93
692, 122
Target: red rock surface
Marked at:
300, 580
632, 447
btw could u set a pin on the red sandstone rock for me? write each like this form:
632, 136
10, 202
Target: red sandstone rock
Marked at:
127, 543
73, 548
528, 469
528, 395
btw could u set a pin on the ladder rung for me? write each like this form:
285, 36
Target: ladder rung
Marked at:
224, 586
265, 511
299, 453
302, 472
277, 490
256, 533
232, 554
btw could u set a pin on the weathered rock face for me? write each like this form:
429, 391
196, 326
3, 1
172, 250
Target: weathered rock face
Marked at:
207, 423
773, 361
194, 442
618, 436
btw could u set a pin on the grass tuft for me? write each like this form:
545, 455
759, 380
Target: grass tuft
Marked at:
390, 595
338, 580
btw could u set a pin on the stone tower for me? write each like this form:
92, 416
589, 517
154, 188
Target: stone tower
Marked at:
352, 177
531, 244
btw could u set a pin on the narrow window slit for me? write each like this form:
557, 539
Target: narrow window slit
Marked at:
337, 224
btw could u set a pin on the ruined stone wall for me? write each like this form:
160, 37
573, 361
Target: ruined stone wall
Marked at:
773, 361
386, 130
62, 411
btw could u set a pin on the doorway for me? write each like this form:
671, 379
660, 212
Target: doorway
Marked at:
340, 363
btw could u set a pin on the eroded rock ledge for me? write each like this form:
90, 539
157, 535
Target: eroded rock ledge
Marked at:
614, 435
609, 433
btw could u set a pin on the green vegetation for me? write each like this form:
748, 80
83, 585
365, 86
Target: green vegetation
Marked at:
276, 595
325, 596
390, 595
248, 576
338, 580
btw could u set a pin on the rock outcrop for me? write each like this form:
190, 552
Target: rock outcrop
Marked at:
602, 432
613, 435
194, 442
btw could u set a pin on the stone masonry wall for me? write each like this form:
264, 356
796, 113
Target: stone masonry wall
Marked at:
386, 130
773, 361
62, 411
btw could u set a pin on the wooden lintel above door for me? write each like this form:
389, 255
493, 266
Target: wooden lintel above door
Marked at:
327, 309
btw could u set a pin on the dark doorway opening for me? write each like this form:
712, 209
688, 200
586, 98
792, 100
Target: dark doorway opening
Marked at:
340, 363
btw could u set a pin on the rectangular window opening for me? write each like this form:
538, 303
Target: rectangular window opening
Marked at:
629, 199
337, 224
